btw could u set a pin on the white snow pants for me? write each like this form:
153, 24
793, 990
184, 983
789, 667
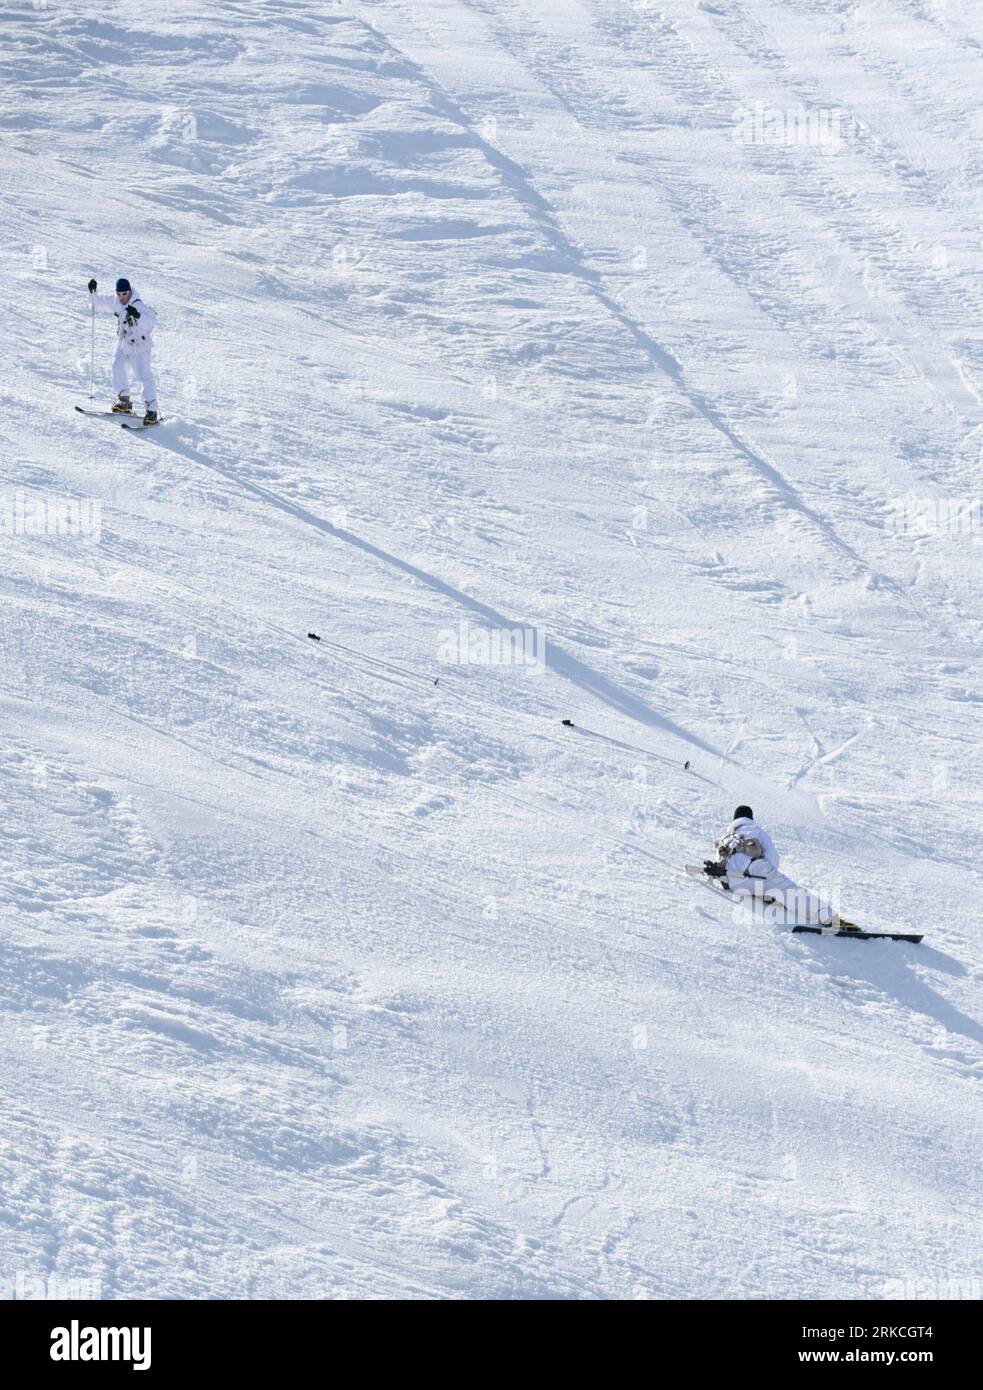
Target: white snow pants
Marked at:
756, 878
135, 364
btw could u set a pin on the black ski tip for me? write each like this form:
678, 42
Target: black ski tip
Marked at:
568, 723
314, 637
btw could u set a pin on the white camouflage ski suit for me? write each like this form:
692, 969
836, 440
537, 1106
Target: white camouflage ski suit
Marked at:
760, 877
134, 346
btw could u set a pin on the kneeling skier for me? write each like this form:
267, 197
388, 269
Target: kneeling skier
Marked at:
747, 865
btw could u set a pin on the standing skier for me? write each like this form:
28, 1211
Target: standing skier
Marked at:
135, 324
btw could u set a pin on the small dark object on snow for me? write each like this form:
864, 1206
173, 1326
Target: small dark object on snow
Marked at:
314, 637
686, 765
435, 682
567, 722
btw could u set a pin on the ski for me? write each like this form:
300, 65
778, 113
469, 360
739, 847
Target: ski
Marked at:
838, 928
861, 935
130, 421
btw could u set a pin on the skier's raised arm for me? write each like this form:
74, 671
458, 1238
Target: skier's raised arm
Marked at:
102, 303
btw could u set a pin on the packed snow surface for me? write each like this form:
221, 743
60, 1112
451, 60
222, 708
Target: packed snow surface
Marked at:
613, 361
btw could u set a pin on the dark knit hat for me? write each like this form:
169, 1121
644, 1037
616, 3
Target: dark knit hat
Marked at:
123, 285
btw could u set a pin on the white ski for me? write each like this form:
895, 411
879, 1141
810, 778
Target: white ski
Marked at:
101, 414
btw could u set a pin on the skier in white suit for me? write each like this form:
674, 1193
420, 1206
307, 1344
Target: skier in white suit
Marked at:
747, 864
135, 324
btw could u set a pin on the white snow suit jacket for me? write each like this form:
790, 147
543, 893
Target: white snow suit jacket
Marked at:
750, 829
133, 337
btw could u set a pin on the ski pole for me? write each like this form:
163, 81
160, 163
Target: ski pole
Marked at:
92, 355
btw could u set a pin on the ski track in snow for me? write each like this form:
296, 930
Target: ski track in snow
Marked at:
335, 970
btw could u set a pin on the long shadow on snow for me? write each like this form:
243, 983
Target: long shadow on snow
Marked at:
570, 261
887, 968
556, 659
885, 965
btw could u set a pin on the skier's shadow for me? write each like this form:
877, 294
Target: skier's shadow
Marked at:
886, 968
556, 658
885, 973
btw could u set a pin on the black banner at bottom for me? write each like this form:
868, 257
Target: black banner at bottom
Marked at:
221, 1337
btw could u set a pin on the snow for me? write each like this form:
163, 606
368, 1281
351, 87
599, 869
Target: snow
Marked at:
340, 969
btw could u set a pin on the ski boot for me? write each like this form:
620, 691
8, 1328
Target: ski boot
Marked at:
123, 405
151, 417
833, 921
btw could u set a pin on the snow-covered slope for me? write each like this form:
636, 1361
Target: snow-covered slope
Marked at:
342, 968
